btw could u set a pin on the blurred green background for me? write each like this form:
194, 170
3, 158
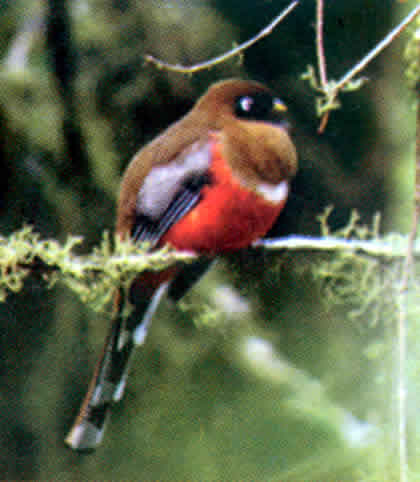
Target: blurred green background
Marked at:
253, 377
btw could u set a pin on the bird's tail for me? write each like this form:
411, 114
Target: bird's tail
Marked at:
111, 372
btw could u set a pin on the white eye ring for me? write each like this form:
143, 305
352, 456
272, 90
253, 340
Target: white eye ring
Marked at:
246, 103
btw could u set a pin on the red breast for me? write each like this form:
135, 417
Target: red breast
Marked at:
229, 215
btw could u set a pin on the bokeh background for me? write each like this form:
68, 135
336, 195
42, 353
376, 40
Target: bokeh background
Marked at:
253, 376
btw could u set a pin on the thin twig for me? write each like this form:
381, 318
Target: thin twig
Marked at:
377, 50
322, 64
324, 122
227, 55
331, 90
393, 247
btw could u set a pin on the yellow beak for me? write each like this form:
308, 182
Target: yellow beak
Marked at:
278, 106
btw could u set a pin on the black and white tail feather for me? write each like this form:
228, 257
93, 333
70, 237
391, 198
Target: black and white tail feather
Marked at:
153, 219
110, 377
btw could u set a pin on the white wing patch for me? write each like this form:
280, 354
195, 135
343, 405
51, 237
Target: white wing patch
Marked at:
275, 194
162, 184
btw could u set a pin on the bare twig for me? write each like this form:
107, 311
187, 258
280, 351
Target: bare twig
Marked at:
189, 69
331, 89
392, 247
324, 121
320, 53
322, 64
377, 50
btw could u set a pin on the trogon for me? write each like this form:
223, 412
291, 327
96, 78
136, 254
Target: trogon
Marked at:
211, 183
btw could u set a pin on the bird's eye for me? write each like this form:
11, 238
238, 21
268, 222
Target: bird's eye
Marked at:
245, 103
258, 106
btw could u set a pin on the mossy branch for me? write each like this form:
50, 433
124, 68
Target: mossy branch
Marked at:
93, 276
115, 262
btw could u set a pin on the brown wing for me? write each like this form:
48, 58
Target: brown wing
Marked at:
174, 144
170, 191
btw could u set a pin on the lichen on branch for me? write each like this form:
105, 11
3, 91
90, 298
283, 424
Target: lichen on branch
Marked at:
93, 276
114, 262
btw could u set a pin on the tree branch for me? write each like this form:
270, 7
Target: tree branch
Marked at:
330, 89
322, 64
391, 247
377, 49
189, 69
95, 276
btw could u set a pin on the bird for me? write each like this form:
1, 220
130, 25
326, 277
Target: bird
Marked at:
212, 183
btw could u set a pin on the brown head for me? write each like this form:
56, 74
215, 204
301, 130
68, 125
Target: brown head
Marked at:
252, 124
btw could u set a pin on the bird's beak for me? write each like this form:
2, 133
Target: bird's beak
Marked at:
279, 107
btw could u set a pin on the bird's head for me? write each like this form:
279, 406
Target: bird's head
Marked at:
254, 124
